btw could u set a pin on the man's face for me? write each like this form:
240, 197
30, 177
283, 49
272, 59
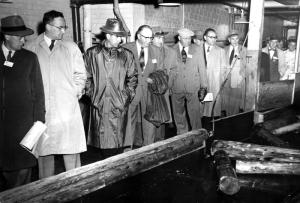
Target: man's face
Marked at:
145, 37
273, 43
234, 40
113, 40
211, 38
56, 29
14, 42
292, 46
158, 40
185, 40
197, 41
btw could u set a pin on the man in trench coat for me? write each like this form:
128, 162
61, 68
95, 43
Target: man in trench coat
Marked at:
111, 84
22, 101
64, 77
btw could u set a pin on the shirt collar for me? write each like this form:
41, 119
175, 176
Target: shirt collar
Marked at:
6, 50
48, 40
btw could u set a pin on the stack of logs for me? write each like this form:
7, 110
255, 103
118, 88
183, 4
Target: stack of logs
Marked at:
256, 160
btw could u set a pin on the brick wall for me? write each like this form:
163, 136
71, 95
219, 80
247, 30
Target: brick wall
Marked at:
32, 12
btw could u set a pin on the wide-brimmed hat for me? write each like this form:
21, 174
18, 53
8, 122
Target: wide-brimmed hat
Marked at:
274, 37
114, 26
157, 31
14, 25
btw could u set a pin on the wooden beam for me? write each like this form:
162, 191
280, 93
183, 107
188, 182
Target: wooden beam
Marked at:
287, 129
267, 167
253, 52
255, 152
86, 179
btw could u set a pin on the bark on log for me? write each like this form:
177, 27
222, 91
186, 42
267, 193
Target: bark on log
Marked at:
86, 179
278, 184
254, 152
261, 167
228, 182
286, 129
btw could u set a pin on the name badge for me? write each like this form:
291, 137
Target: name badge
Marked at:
189, 56
154, 61
8, 64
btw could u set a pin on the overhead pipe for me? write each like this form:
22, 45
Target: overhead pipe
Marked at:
118, 15
76, 25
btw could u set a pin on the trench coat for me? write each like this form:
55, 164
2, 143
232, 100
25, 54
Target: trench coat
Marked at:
111, 84
233, 94
216, 69
64, 78
22, 102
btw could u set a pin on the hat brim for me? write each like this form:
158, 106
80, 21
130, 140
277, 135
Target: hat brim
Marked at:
161, 33
21, 33
119, 34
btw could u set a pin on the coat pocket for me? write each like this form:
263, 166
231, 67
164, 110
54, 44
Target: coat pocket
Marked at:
117, 99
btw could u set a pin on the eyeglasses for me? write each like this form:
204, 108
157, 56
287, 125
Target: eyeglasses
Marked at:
151, 38
212, 37
60, 28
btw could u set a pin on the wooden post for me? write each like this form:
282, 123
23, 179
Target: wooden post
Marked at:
267, 167
86, 179
228, 182
255, 152
253, 52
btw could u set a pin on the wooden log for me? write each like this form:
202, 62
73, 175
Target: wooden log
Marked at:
86, 179
266, 167
278, 184
268, 137
255, 152
286, 129
228, 182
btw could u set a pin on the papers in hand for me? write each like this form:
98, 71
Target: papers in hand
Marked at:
208, 97
29, 142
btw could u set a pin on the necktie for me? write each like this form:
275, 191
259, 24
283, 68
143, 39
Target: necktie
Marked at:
9, 56
51, 45
142, 58
183, 55
231, 56
208, 49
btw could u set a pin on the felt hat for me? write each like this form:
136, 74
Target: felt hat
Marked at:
114, 26
14, 25
157, 31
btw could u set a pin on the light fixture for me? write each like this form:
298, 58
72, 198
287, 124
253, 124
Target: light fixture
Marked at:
162, 3
242, 19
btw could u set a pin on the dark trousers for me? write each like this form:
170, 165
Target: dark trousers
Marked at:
12, 179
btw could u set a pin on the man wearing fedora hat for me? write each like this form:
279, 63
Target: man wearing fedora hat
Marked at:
21, 101
198, 38
233, 94
64, 77
111, 84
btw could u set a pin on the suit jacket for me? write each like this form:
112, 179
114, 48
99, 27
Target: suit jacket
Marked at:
154, 62
192, 74
271, 66
22, 102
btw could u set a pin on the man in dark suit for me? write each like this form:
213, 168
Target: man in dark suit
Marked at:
191, 76
139, 131
21, 101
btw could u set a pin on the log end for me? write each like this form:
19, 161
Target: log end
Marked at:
229, 185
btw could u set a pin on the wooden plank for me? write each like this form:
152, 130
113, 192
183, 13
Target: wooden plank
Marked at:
86, 179
286, 129
267, 167
274, 94
254, 152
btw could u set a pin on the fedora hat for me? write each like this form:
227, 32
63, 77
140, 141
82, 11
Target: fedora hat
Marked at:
198, 35
157, 31
14, 25
233, 33
114, 26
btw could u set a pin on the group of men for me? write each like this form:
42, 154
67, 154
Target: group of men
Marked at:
45, 81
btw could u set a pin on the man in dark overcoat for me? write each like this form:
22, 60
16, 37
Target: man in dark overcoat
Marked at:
21, 101
111, 84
